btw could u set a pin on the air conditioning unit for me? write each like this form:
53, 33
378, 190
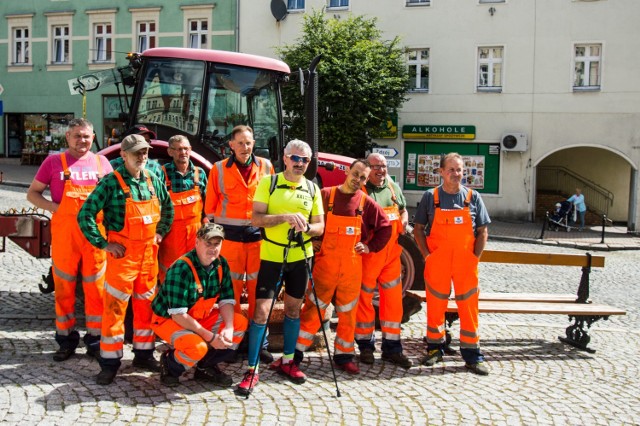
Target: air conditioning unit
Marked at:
514, 141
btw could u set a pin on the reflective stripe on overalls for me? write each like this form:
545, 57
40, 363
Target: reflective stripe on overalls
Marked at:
451, 244
382, 269
181, 238
189, 346
133, 274
71, 250
337, 273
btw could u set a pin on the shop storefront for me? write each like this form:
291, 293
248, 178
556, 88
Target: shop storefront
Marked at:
424, 144
31, 137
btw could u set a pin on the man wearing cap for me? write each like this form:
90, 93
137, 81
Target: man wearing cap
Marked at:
185, 312
137, 214
187, 186
230, 191
70, 177
152, 165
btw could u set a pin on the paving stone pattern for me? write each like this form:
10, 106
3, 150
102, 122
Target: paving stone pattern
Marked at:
534, 378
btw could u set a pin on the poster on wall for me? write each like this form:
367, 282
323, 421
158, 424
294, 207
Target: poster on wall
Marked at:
428, 174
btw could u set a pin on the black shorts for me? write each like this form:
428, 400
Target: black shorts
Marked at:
295, 278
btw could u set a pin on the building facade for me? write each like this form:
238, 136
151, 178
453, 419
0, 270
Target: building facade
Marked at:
45, 45
540, 96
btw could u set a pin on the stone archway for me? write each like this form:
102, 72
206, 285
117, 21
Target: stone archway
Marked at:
599, 167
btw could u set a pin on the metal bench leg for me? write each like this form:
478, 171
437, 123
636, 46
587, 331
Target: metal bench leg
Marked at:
577, 334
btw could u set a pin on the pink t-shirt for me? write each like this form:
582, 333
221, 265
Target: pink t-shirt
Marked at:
83, 172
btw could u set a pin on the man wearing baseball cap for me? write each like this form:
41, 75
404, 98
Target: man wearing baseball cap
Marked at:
138, 212
185, 315
152, 165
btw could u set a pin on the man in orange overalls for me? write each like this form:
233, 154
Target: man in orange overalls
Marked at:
186, 185
194, 313
382, 271
230, 191
354, 226
70, 177
137, 214
455, 220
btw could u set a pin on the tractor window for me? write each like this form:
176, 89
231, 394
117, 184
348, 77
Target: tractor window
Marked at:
240, 95
171, 94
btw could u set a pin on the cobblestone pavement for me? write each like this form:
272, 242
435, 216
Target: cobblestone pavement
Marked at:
534, 378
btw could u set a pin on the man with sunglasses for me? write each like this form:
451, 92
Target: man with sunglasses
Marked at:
382, 271
187, 186
293, 205
230, 191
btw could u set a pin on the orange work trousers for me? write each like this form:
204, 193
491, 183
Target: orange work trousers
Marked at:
135, 274
189, 347
178, 241
71, 254
243, 258
337, 275
451, 245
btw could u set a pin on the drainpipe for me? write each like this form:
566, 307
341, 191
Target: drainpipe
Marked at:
238, 26
633, 202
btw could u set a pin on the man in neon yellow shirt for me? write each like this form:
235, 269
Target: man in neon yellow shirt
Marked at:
290, 203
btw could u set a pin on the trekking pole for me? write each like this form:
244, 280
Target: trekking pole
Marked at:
273, 301
300, 241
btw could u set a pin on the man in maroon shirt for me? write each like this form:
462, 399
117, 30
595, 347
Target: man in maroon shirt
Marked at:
354, 225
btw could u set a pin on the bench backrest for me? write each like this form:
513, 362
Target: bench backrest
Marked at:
528, 258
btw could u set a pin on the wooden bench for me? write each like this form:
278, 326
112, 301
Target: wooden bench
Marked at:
578, 307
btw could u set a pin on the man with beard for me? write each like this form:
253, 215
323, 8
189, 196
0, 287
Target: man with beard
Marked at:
137, 214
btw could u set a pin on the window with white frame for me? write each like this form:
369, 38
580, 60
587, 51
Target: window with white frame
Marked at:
146, 35
60, 44
338, 3
20, 46
490, 68
60, 48
418, 67
102, 37
418, 2
587, 66
102, 25
295, 5
198, 33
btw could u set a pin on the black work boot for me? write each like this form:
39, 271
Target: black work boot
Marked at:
68, 345
92, 343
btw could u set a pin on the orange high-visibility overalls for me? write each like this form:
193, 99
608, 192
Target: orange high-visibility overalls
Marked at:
71, 251
181, 238
337, 273
133, 274
230, 200
190, 347
451, 244
383, 268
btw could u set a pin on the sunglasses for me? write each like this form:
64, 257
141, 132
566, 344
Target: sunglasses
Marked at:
298, 158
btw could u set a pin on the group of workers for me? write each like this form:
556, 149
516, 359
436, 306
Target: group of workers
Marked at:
181, 247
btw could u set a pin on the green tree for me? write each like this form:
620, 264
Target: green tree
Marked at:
362, 81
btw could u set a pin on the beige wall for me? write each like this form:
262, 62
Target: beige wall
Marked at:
537, 97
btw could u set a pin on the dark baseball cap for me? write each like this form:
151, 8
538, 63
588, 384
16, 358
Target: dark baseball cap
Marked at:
140, 129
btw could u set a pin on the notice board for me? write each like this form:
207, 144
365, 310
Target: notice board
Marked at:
481, 164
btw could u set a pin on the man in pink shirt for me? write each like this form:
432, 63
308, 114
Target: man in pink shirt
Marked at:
70, 177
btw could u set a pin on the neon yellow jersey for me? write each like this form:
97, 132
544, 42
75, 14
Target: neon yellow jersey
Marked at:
294, 199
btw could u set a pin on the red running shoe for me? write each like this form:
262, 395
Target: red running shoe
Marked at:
290, 371
350, 367
246, 385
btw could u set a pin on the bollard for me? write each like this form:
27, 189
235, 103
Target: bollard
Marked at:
604, 220
544, 224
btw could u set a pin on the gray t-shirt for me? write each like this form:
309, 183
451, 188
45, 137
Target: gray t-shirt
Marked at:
427, 210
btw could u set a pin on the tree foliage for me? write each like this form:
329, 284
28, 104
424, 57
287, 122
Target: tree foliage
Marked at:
362, 81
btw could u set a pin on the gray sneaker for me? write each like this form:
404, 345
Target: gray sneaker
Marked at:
433, 356
479, 368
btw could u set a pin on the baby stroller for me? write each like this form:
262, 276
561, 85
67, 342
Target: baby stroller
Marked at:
560, 217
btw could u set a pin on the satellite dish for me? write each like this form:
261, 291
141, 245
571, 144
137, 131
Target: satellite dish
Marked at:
279, 9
